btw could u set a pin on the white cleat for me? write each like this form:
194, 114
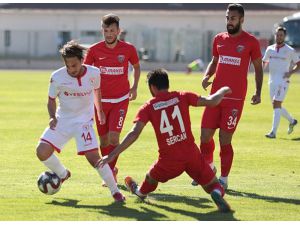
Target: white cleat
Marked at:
270, 135
291, 126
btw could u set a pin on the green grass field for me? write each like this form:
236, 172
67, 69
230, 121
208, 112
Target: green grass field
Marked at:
264, 181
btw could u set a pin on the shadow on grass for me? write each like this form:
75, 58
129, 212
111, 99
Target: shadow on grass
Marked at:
262, 197
159, 201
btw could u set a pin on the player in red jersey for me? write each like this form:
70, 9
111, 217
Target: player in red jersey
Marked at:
112, 56
232, 53
168, 113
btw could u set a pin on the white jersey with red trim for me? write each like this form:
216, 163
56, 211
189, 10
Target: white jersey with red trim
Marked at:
75, 95
279, 59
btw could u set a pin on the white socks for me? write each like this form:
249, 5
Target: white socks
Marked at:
276, 119
55, 165
286, 115
107, 175
224, 179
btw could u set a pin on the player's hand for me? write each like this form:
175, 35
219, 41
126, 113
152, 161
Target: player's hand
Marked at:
206, 82
132, 94
52, 123
226, 90
103, 161
255, 99
101, 117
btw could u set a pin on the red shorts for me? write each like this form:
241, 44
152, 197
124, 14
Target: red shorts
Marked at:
115, 115
225, 116
187, 159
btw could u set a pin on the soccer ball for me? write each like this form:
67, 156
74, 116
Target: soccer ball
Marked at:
49, 183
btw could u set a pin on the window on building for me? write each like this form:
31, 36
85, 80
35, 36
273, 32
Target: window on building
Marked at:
7, 38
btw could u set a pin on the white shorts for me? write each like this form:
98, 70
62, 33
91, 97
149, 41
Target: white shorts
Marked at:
278, 91
83, 133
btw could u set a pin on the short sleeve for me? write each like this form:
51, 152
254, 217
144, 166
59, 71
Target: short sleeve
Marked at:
295, 57
53, 89
143, 114
192, 98
266, 57
89, 59
255, 52
134, 59
215, 49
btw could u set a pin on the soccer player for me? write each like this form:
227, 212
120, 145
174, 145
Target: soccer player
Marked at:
232, 52
112, 56
197, 64
74, 86
279, 56
168, 113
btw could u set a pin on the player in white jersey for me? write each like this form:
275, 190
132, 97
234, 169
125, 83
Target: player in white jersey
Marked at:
280, 57
74, 86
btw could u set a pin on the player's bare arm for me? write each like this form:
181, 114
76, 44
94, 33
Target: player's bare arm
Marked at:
98, 105
294, 70
51, 110
215, 98
129, 139
256, 98
133, 89
210, 71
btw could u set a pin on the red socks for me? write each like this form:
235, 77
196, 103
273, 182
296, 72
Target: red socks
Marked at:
214, 186
105, 151
147, 187
207, 150
226, 155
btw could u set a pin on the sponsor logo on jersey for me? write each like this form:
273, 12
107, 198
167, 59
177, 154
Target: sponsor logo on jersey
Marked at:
240, 48
122, 112
234, 112
78, 94
102, 58
121, 58
165, 104
92, 80
112, 70
224, 59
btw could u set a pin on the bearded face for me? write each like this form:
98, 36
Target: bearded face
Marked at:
279, 37
233, 21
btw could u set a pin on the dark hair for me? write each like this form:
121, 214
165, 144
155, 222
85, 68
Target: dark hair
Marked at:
281, 29
110, 19
236, 7
72, 49
158, 78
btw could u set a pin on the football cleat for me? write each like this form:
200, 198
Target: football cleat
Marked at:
118, 197
291, 126
222, 205
66, 177
132, 186
270, 135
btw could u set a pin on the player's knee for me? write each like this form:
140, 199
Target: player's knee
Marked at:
44, 151
114, 139
104, 141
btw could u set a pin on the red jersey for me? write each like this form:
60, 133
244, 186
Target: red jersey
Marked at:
169, 115
113, 65
234, 55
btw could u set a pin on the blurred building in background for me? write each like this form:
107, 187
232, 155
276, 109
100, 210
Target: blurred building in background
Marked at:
170, 34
